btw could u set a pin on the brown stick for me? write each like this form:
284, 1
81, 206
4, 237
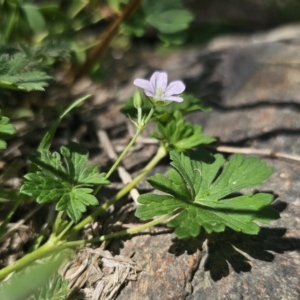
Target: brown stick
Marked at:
104, 41
253, 151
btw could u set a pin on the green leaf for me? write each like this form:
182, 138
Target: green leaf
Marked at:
47, 139
16, 72
154, 7
179, 135
171, 21
8, 195
34, 18
27, 281
173, 130
75, 7
15, 113
48, 53
67, 183
135, 25
189, 105
177, 38
203, 188
6, 130
168, 16
75, 202
56, 289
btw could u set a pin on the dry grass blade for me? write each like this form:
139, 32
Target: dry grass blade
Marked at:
98, 275
253, 151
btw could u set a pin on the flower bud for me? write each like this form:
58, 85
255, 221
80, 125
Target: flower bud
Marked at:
137, 99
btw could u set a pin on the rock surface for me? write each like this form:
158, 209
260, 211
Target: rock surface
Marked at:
253, 85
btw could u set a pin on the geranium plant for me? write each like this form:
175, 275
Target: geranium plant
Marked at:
201, 191
198, 193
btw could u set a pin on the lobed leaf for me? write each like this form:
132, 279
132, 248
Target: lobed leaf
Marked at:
179, 135
64, 178
16, 72
203, 188
55, 289
75, 202
34, 278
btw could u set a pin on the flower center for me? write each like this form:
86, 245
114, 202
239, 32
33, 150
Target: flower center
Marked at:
159, 92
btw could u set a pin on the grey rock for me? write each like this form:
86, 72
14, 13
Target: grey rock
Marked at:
254, 89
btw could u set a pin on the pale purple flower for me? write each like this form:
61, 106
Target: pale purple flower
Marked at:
158, 89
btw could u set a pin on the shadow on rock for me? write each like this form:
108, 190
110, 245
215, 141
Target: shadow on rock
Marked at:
234, 249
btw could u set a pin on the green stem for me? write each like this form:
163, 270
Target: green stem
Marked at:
10, 215
54, 243
58, 230
125, 151
66, 229
120, 233
41, 252
161, 153
57, 222
139, 110
148, 117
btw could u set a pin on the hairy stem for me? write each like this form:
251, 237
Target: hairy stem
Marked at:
57, 222
125, 151
121, 233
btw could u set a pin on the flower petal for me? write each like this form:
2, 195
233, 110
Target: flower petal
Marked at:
159, 81
175, 88
144, 84
149, 93
173, 98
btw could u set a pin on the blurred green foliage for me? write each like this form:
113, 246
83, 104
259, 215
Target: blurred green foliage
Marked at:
38, 281
57, 28
56, 289
78, 23
6, 130
169, 18
16, 72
